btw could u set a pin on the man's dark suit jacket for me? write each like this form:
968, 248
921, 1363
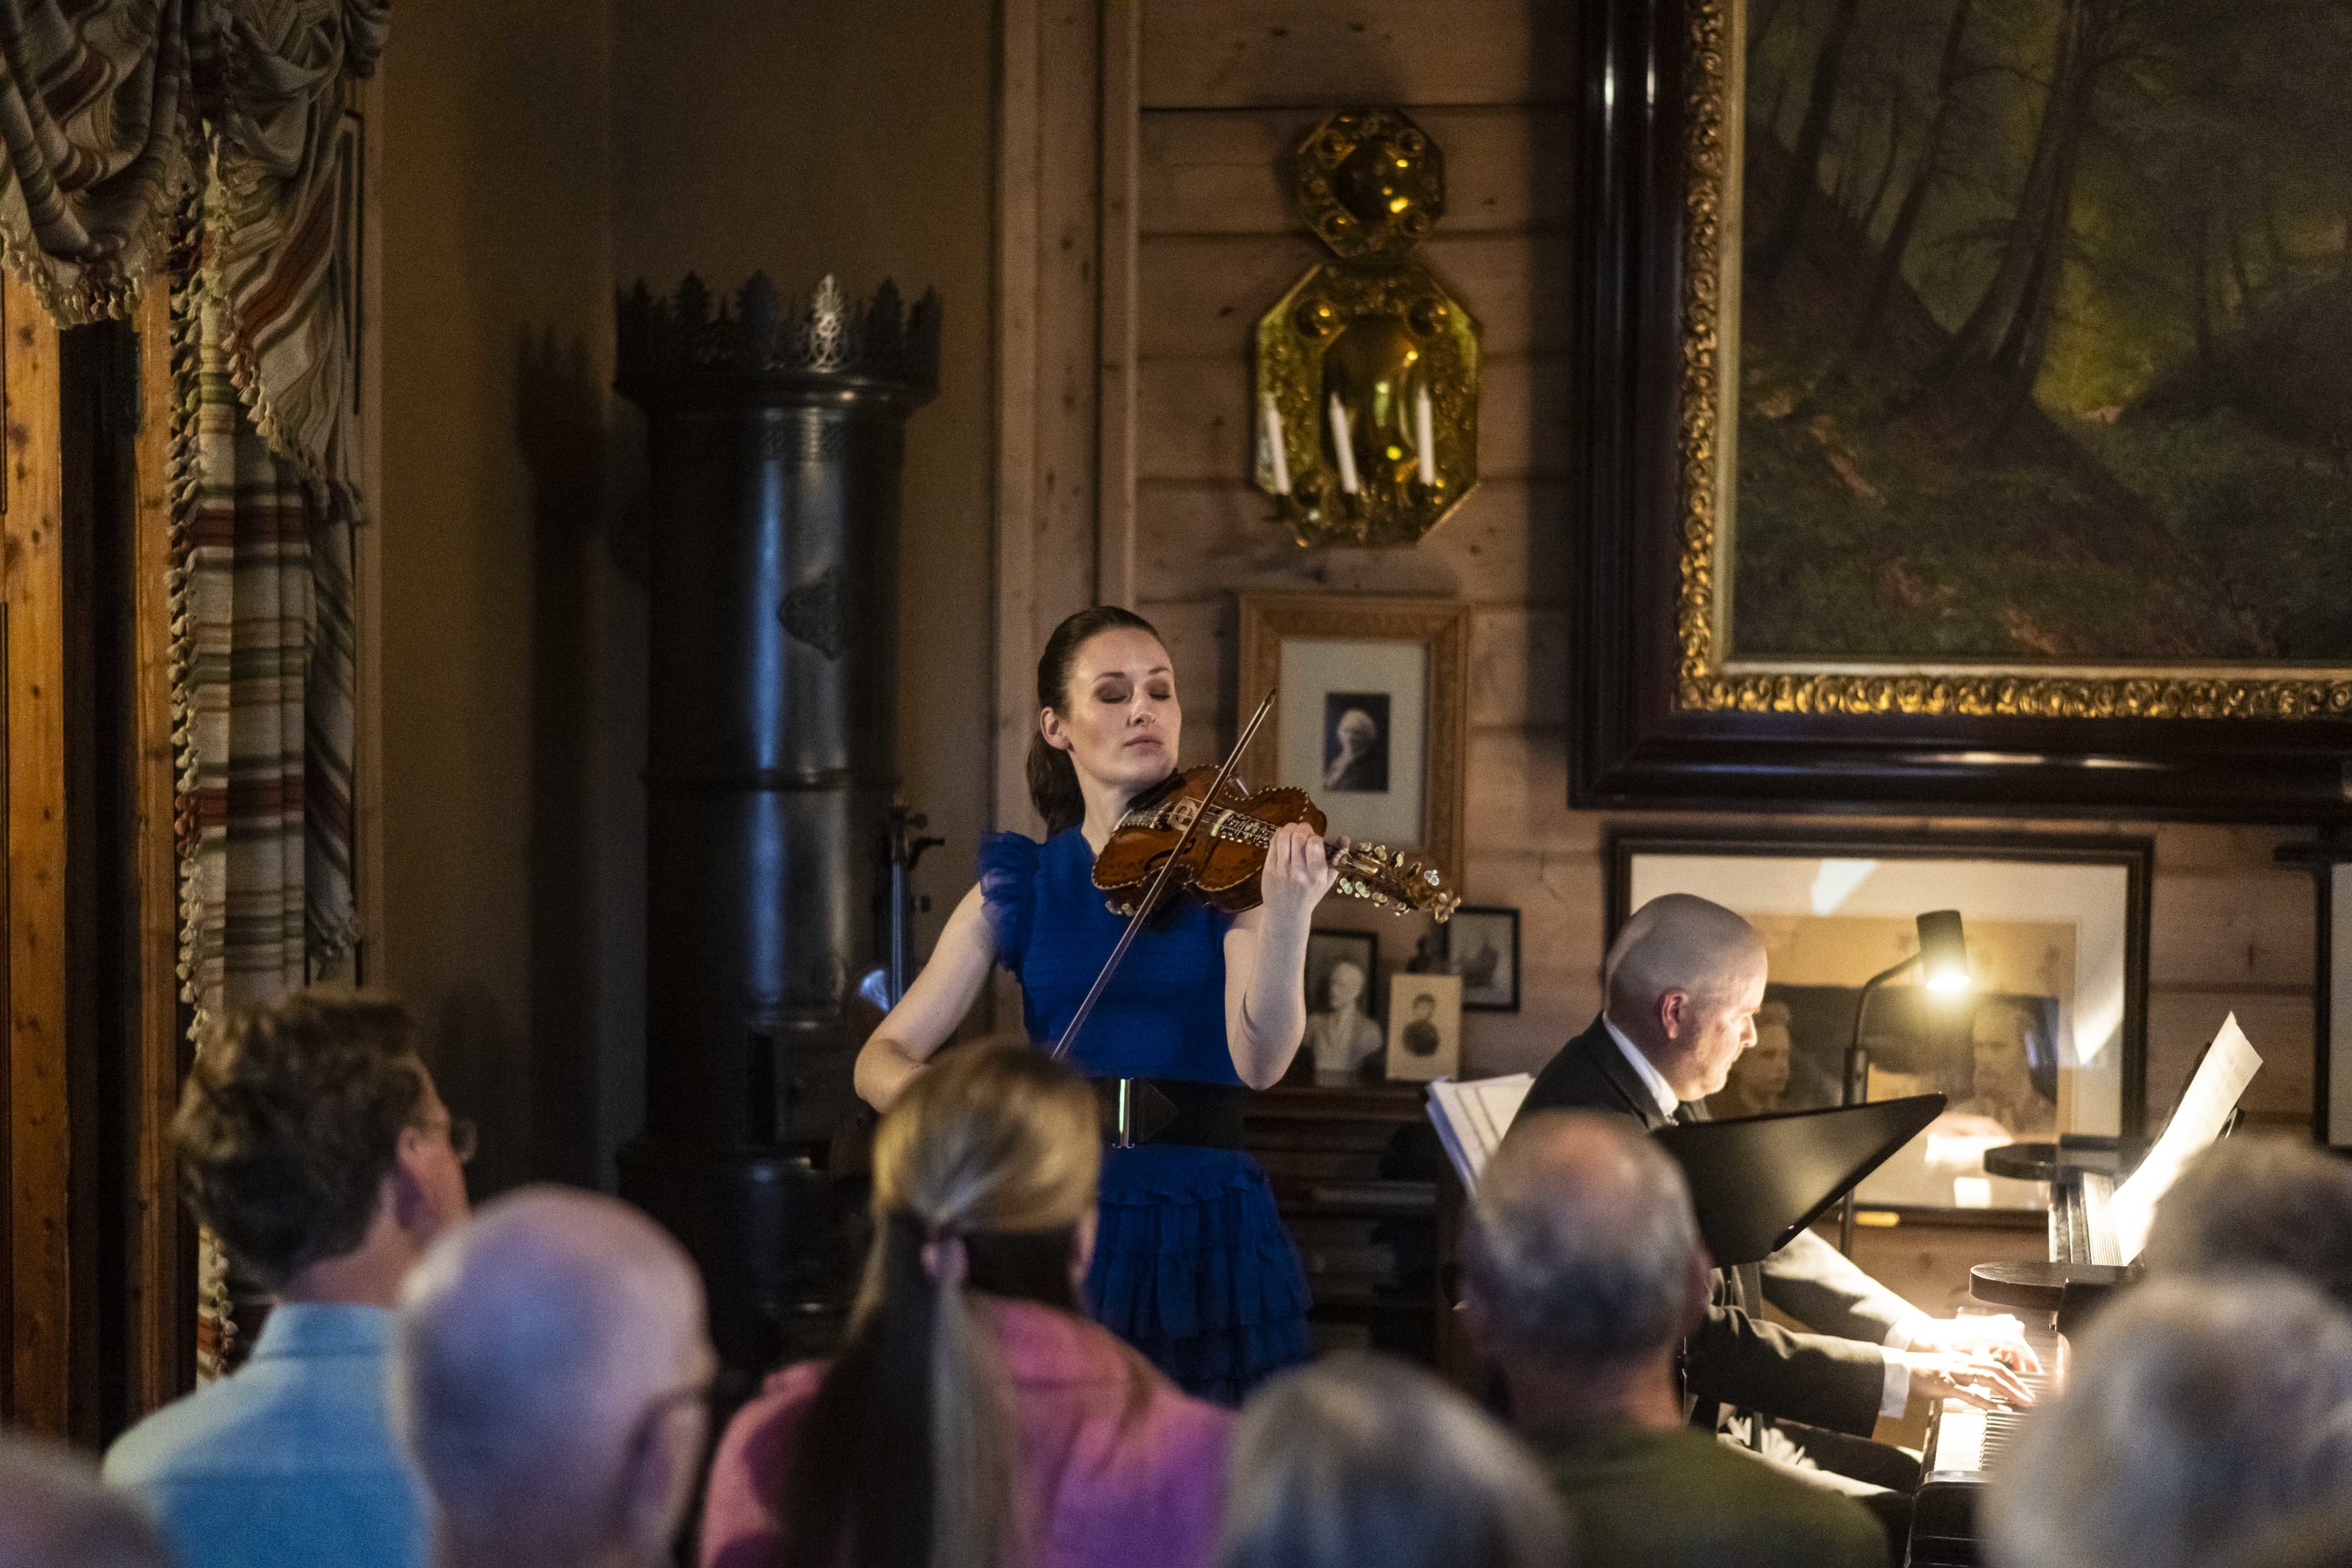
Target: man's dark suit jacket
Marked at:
1734, 1360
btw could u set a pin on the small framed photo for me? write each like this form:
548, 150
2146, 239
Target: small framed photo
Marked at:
1424, 1026
1343, 1037
1482, 946
1371, 719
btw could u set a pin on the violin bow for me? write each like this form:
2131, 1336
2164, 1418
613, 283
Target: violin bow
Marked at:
1159, 880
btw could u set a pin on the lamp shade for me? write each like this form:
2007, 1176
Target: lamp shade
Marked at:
1943, 951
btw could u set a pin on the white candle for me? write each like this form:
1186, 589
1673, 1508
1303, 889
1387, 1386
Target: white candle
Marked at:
1343, 442
1425, 436
1280, 459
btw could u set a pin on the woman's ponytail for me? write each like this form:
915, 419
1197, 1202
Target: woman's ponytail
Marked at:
1053, 778
909, 1458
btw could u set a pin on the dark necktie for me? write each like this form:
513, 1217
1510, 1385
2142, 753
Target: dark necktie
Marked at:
1689, 1111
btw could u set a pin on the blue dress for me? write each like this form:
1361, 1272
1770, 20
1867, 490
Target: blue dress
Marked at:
1193, 1265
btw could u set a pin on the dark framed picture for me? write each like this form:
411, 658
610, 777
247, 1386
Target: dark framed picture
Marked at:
1343, 1035
1918, 470
1482, 946
2049, 1039
2329, 860
1424, 1026
1369, 717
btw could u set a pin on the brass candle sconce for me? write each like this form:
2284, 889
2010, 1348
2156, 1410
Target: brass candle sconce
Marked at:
1367, 389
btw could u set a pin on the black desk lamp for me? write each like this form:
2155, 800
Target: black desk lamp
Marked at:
1943, 963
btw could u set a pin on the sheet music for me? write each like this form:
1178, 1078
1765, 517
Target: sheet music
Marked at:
1471, 1119
2229, 1066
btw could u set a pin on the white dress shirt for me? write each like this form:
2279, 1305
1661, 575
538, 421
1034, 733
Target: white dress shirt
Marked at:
1894, 1393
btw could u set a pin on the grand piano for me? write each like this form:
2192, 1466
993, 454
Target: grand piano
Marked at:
1965, 1444
2088, 1251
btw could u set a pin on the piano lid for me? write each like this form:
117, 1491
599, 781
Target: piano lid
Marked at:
1757, 1181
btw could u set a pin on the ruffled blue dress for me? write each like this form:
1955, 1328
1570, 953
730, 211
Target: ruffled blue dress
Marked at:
1193, 1265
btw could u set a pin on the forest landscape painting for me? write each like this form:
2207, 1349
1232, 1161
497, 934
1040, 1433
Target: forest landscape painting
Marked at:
2044, 334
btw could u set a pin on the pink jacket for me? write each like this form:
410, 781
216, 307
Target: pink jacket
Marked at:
1110, 1485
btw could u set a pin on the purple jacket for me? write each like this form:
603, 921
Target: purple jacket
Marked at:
1120, 1468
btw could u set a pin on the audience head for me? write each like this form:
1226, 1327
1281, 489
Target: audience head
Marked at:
310, 1133
550, 1369
1582, 1254
1684, 981
2251, 1203
2202, 1415
1364, 1462
54, 1513
985, 1173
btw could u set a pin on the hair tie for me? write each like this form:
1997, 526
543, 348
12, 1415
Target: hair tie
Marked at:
944, 1257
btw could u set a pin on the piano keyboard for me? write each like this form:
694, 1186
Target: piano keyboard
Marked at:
1964, 1445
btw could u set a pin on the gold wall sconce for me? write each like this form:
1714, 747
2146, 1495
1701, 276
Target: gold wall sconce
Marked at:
1367, 376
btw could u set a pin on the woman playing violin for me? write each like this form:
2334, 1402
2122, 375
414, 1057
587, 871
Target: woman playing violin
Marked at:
1191, 1263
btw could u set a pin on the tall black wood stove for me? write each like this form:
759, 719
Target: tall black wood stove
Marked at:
776, 433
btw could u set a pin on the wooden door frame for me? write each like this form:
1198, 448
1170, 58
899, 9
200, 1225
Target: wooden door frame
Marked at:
32, 591
162, 1309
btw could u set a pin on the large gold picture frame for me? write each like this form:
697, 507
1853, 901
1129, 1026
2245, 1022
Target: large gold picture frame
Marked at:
1663, 709
1711, 677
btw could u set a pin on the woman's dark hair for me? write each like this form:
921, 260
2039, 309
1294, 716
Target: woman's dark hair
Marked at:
1053, 777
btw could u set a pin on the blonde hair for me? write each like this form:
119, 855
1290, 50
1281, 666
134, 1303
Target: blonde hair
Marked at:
983, 1170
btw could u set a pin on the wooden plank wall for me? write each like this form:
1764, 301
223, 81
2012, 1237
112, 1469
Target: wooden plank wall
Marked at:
1222, 90
32, 587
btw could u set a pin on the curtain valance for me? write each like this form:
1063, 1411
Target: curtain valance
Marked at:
114, 113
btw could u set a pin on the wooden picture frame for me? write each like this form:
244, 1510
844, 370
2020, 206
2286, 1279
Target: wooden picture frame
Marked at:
1410, 659
2058, 936
1659, 714
1499, 992
1424, 1040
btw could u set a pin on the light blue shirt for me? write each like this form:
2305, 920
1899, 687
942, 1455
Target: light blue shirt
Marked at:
290, 1461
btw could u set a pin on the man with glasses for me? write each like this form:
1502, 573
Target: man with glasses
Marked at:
312, 1141
550, 1376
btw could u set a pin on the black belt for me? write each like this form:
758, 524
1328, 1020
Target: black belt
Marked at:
1169, 1111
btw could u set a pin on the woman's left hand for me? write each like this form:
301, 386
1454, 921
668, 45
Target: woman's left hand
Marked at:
1299, 872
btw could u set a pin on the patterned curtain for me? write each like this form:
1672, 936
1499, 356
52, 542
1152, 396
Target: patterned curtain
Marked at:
200, 141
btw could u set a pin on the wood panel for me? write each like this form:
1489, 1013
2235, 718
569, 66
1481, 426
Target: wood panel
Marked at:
1223, 171
1115, 446
1316, 53
163, 1303
32, 587
1196, 541
2232, 927
1200, 296
1194, 421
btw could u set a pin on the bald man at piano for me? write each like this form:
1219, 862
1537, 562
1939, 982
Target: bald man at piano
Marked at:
1683, 982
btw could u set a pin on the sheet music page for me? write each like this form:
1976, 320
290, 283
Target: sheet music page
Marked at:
1471, 1119
2229, 1066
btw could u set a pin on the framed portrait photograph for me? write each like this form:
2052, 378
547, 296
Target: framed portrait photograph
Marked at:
1369, 718
1424, 1026
1959, 429
2048, 1039
1343, 1036
1482, 946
